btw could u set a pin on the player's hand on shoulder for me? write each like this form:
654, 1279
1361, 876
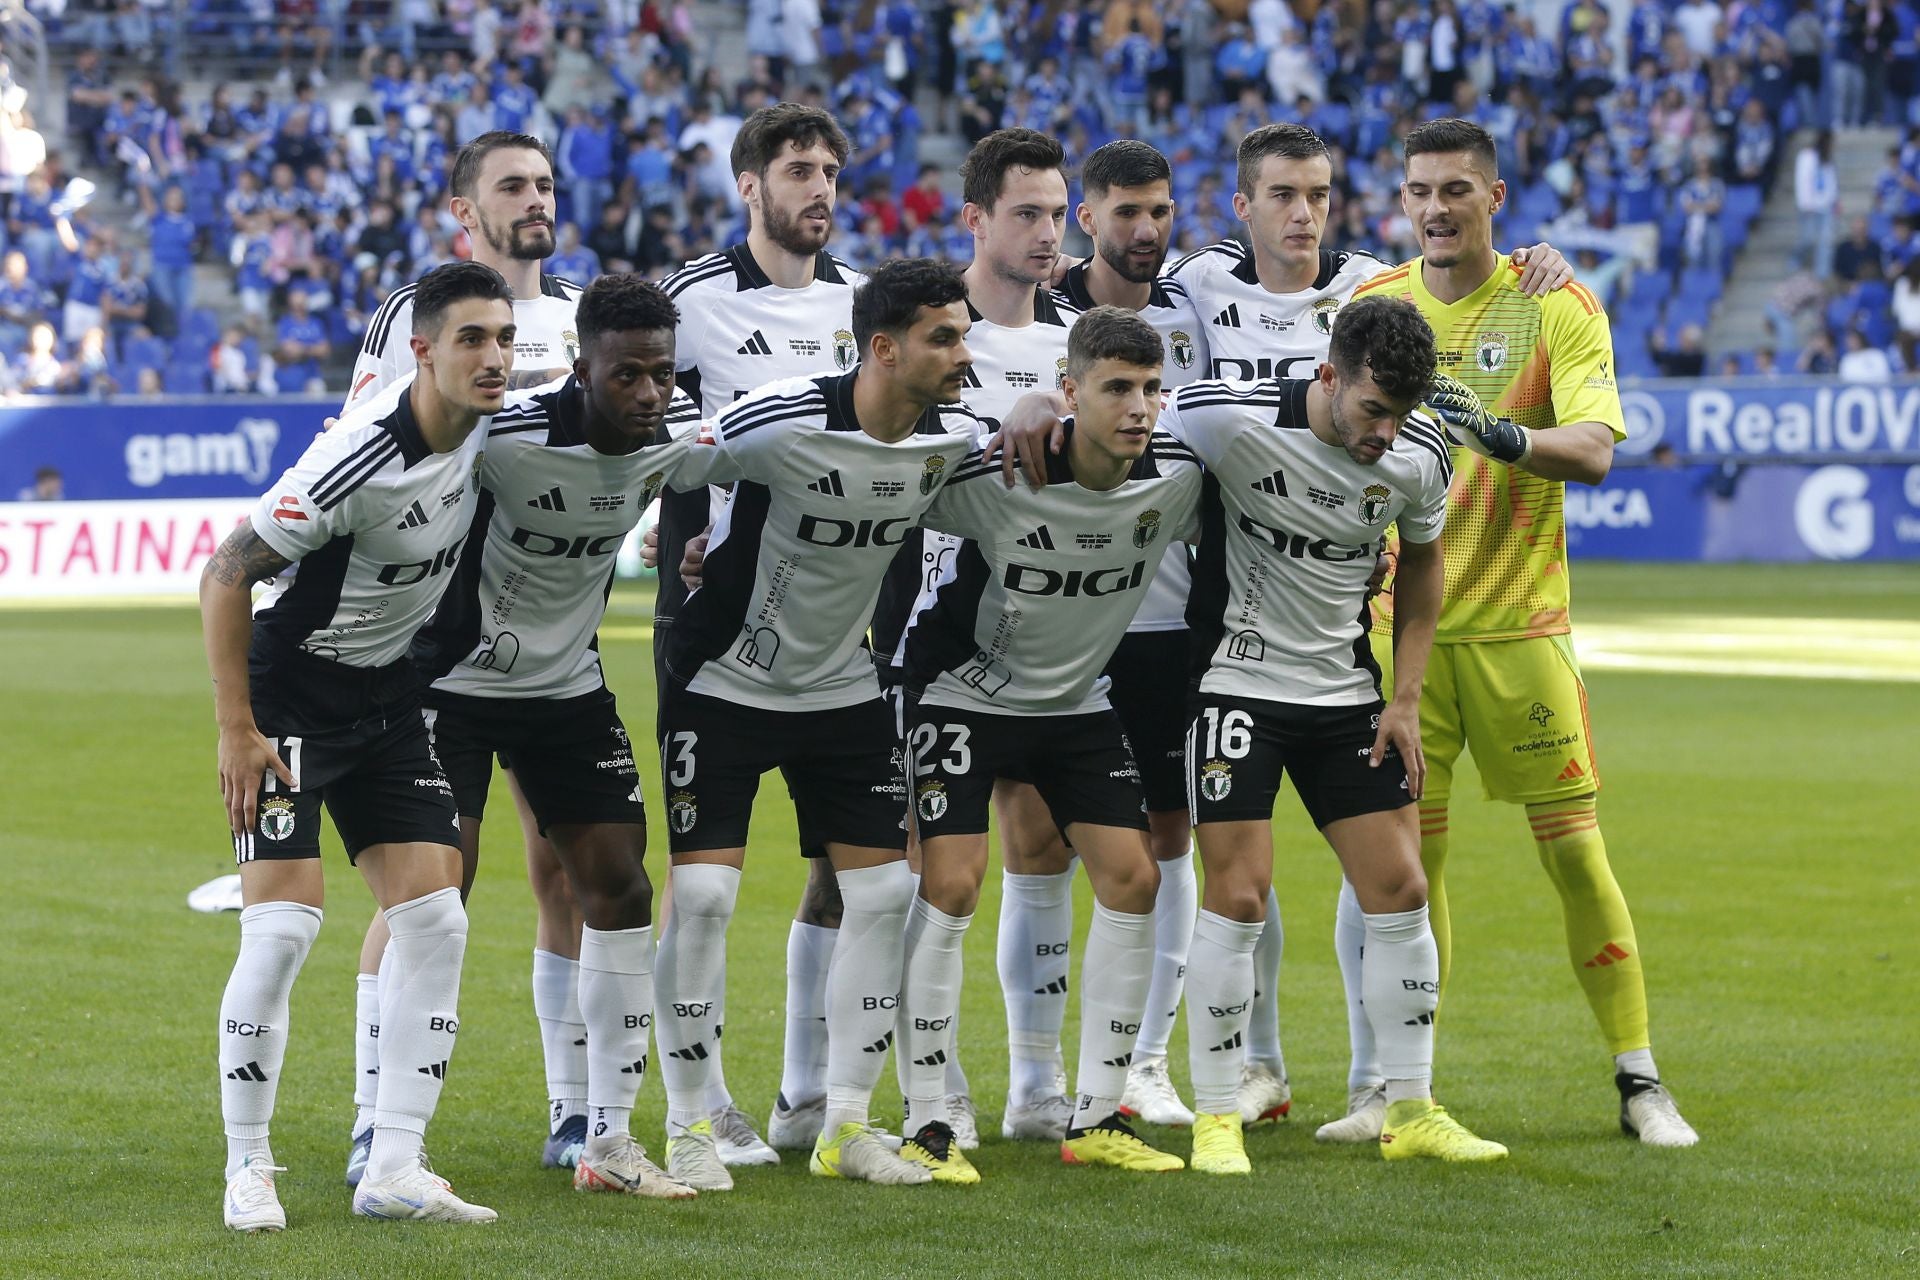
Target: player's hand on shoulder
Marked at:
245, 756
1471, 423
1400, 730
1543, 269
1032, 429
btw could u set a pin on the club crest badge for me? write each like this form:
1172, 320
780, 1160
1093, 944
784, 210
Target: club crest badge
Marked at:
1216, 780
1180, 346
1059, 373
1323, 313
1147, 527
570, 343
1490, 356
845, 353
682, 812
932, 803
931, 472
276, 817
1373, 503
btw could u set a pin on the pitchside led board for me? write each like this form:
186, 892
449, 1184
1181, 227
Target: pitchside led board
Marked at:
1800, 469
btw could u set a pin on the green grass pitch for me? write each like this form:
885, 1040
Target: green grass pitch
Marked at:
1761, 822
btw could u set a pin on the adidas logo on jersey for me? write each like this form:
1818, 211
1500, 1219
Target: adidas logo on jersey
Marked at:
1039, 540
829, 484
549, 501
1228, 319
416, 516
1275, 484
756, 345
973, 379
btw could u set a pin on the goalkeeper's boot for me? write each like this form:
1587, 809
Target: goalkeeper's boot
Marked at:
1649, 1113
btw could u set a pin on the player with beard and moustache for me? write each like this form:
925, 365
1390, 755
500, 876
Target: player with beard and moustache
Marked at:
501, 190
1015, 188
1269, 312
774, 307
1128, 211
768, 668
1304, 476
318, 706
570, 469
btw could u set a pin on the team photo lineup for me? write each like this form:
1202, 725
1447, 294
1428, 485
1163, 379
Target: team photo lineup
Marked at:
1075, 562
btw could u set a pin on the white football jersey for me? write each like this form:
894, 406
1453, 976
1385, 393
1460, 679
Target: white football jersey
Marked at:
1252, 333
374, 522
1030, 609
738, 332
1289, 534
1172, 314
544, 338
795, 561
521, 618
1169, 310
1009, 363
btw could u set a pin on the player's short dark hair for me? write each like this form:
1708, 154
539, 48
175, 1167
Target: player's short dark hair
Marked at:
465, 174
1113, 333
1288, 141
767, 132
622, 303
985, 168
1124, 163
1389, 337
455, 282
1449, 134
894, 292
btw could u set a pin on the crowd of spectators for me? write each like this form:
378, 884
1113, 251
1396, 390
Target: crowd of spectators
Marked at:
315, 174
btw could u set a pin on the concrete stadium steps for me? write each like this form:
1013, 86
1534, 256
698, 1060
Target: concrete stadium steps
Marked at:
1740, 320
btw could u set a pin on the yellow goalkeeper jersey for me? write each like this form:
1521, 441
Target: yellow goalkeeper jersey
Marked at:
1540, 362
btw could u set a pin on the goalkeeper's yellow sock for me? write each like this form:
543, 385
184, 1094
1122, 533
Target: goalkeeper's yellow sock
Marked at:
1600, 941
1433, 860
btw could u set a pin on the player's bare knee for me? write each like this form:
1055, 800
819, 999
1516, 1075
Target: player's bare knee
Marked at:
954, 890
1131, 887
1242, 897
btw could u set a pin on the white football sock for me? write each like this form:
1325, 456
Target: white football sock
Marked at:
366, 1047
930, 986
1036, 932
687, 977
1113, 990
1219, 992
1263, 1023
419, 1019
563, 1035
616, 998
1174, 908
803, 1068
1349, 947
864, 993
274, 940
956, 1077
719, 1097
1401, 981
1637, 1062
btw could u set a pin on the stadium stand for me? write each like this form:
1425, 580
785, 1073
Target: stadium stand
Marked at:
268, 170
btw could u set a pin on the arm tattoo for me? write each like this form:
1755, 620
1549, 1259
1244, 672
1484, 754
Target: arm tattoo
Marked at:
245, 558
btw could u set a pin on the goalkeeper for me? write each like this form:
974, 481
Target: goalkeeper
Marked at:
1502, 680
